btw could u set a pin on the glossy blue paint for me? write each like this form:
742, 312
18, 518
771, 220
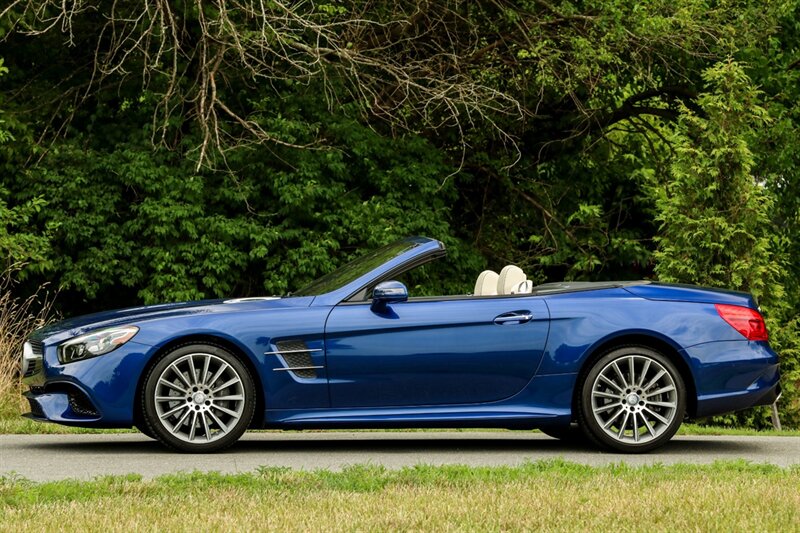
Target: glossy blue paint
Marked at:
105, 380
674, 292
583, 321
388, 292
432, 352
731, 375
55, 408
502, 361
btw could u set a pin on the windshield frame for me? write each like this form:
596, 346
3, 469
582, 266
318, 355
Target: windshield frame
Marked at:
417, 248
358, 267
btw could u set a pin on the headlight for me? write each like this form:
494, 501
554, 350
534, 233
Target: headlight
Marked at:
94, 344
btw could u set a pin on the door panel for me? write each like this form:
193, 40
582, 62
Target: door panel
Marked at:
434, 352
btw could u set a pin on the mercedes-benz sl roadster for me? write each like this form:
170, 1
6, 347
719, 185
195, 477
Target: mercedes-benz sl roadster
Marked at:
622, 363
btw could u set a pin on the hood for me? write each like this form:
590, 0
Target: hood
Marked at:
691, 293
132, 315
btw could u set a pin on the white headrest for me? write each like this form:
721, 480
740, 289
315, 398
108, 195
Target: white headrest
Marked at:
509, 278
486, 285
523, 287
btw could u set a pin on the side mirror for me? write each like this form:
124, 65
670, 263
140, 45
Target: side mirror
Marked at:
387, 292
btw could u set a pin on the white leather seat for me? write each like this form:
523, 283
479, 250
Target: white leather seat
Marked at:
523, 287
508, 280
486, 285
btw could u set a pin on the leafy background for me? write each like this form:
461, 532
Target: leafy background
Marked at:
650, 140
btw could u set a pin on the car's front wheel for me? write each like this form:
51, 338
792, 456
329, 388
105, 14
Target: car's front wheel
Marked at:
570, 433
142, 427
633, 400
198, 398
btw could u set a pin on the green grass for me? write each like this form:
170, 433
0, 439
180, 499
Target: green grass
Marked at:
694, 429
548, 495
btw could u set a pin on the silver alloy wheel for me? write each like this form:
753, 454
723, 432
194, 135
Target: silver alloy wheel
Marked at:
634, 399
199, 398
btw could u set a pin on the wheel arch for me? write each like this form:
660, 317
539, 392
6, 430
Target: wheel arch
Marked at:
216, 340
648, 341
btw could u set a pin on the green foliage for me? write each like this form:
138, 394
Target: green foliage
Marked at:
714, 212
142, 225
636, 148
785, 339
775, 64
17, 243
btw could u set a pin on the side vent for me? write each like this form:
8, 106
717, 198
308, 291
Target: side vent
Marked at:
295, 354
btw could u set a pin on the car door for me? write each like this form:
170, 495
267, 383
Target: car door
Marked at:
434, 351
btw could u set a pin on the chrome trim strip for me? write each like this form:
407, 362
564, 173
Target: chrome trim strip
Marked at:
251, 299
27, 356
513, 318
279, 352
293, 368
31, 365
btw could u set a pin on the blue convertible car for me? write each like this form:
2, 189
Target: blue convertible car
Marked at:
624, 363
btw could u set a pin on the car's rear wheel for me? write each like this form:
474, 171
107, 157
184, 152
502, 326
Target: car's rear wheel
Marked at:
198, 398
633, 400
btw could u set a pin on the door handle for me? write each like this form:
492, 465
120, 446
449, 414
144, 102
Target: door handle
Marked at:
514, 317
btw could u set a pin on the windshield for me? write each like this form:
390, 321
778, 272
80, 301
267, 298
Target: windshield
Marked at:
355, 269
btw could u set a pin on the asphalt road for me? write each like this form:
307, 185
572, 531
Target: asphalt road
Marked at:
51, 457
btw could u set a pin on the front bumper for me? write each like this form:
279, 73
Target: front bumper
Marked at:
99, 392
64, 404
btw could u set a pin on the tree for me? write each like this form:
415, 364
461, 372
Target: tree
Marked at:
715, 211
518, 96
17, 243
191, 149
532, 74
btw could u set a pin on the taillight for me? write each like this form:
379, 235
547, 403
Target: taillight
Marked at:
746, 321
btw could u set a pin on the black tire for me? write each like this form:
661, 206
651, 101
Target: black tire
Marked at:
571, 433
654, 412
201, 395
142, 427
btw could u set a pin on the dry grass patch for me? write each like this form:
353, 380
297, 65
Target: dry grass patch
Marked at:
18, 319
551, 495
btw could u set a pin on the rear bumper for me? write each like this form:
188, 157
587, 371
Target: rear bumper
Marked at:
771, 396
734, 375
